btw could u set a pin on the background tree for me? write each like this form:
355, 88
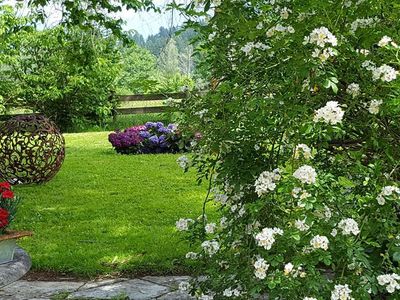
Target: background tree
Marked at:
186, 61
139, 70
168, 60
66, 74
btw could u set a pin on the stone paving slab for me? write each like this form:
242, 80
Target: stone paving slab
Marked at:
99, 283
170, 281
28, 290
136, 289
146, 288
15, 269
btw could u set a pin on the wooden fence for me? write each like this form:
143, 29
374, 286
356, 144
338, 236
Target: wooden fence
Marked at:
131, 110
144, 98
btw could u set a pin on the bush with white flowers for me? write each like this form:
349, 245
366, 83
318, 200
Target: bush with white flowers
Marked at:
300, 149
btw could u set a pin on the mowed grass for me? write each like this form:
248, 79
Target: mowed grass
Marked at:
106, 213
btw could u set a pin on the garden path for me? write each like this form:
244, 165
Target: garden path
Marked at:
149, 287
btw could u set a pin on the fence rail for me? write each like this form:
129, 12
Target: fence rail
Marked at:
130, 110
152, 97
143, 98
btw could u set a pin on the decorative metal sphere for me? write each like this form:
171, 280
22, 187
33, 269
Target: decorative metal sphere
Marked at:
32, 149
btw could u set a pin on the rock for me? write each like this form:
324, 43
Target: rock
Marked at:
28, 290
15, 269
170, 281
135, 289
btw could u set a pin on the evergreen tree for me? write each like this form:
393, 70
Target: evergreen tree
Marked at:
168, 61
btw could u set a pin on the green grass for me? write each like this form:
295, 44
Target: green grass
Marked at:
106, 213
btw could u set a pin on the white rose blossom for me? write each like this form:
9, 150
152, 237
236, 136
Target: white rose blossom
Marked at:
183, 162
301, 225
279, 28
384, 41
368, 65
266, 238
261, 268
363, 23
390, 281
386, 192
327, 213
191, 255
320, 242
349, 226
266, 182
210, 227
353, 90
374, 106
210, 247
320, 37
364, 52
183, 224
306, 174
331, 113
284, 13
247, 49
288, 269
324, 54
302, 150
223, 222
229, 292
385, 73
341, 292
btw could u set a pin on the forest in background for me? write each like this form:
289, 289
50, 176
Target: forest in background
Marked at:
164, 62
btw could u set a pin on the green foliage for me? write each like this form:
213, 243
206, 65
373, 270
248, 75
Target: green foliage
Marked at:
139, 71
168, 60
66, 74
91, 13
274, 90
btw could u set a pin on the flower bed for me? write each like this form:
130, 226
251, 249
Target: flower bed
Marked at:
8, 206
153, 137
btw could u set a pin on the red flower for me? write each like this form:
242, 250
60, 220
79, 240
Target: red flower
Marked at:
4, 214
5, 185
7, 194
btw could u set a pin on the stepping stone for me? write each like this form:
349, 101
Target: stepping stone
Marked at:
15, 269
43, 290
170, 281
135, 289
99, 283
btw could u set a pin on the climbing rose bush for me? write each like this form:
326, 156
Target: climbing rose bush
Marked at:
299, 150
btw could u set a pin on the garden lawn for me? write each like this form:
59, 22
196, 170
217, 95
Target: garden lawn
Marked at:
106, 213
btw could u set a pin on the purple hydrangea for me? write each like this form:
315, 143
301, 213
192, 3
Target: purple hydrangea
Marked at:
128, 138
153, 137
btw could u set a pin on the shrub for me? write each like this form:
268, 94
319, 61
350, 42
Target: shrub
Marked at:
153, 137
300, 151
68, 75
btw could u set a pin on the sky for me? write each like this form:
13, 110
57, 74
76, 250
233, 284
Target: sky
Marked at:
146, 23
